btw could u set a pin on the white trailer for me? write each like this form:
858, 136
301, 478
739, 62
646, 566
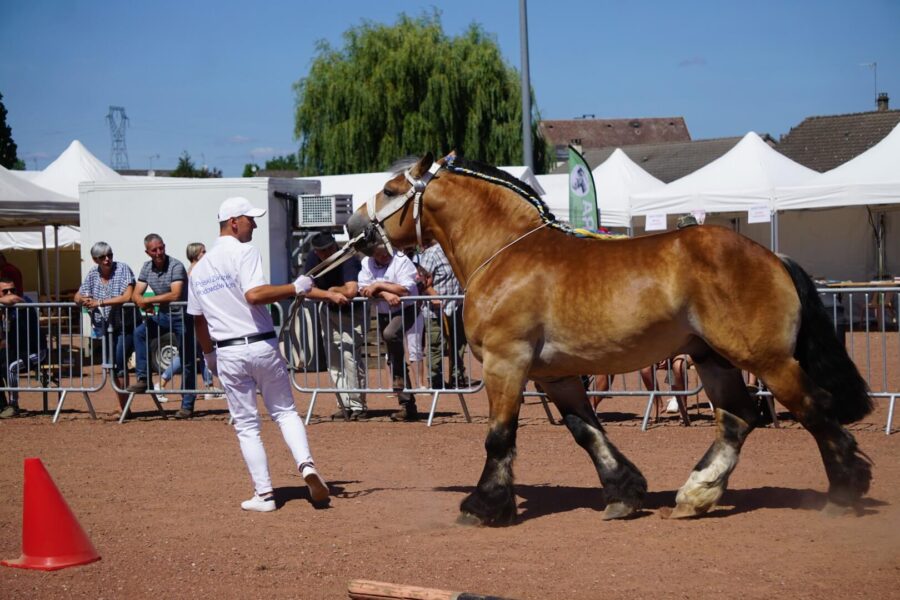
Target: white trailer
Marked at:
183, 211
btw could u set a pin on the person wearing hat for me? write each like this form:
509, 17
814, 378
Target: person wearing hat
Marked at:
344, 324
227, 295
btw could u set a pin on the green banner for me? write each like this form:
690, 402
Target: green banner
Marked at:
583, 213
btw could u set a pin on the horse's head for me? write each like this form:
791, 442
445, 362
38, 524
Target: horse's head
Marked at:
394, 215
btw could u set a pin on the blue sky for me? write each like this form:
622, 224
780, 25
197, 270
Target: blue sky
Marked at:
214, 78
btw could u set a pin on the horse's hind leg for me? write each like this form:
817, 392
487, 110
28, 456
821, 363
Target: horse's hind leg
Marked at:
735, 418
849, 470
623, 485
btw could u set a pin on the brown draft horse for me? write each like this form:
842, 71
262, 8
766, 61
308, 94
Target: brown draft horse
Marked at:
544, 304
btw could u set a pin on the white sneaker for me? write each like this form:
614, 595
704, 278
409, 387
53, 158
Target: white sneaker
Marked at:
318, 489
672, 406
259, 504
161, 397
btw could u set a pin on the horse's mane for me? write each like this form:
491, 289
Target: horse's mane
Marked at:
489, 173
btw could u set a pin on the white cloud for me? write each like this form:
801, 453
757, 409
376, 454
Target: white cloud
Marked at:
265, 151
239, 139
694, 61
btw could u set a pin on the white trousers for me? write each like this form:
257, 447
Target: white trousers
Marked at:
244, 369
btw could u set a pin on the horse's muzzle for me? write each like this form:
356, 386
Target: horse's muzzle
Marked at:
359, 223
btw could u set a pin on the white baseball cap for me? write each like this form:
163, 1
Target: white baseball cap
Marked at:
238, 206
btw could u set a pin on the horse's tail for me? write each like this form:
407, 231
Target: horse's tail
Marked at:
823, 356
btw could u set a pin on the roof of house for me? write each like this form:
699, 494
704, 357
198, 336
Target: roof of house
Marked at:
601, 133
669, 161
823, 143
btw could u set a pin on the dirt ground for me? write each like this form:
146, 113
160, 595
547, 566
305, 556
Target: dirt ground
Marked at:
160, 501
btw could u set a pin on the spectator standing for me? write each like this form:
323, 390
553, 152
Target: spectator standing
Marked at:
228, 296
445, 331
387, 278
167, 277
106, 287
194, 252
22, 347
344, 324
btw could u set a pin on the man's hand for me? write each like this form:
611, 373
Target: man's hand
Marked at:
391, 299
211, 363
337, 298
302, 285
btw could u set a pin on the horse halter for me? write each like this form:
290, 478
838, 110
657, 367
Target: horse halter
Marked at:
374, 232
417, 188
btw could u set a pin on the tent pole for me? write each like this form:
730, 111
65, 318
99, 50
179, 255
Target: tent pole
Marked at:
56, 245
45, 268
773, 228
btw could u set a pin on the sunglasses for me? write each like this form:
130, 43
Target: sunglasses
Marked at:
8, 291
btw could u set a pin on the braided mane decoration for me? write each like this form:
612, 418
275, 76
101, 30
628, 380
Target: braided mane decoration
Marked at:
489, 173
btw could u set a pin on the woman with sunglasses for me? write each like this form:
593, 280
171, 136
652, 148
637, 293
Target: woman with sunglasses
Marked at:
104, 290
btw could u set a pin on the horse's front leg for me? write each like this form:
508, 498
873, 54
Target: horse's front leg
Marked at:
494, 501
623, 484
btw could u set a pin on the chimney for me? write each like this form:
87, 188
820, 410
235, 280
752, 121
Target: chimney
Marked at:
882, 102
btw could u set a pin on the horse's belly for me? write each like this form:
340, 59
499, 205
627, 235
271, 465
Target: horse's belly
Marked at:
557, 359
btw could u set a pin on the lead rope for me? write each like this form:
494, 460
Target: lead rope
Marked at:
494, 255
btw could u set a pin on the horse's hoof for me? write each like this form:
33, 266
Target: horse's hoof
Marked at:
833, 509
468, 519
617, 510
681, 511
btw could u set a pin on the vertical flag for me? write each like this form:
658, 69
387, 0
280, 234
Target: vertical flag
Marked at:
583, 213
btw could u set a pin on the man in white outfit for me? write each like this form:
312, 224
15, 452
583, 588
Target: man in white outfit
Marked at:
228, 294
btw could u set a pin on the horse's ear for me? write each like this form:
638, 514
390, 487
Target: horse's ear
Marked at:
451, 156
424, 164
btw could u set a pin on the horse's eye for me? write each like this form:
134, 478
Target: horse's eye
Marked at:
387, 193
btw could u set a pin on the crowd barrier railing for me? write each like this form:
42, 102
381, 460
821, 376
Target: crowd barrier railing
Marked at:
343, 351
51, 348
43, 351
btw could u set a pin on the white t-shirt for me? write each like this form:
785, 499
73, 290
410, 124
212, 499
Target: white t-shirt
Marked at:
400, 270
216, 289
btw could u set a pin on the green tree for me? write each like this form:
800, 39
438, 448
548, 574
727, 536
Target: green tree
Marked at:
283, 163
186, 168
8, 147
405, 89
250, 170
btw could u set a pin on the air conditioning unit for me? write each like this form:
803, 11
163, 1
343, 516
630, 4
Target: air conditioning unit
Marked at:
323, 211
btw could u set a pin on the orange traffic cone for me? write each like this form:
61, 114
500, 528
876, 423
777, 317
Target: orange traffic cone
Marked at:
51, 536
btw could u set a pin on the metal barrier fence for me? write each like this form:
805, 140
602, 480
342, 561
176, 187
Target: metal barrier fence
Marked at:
418, 347
52, 348
43, 351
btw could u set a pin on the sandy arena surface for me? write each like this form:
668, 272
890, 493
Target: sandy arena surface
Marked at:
160, 501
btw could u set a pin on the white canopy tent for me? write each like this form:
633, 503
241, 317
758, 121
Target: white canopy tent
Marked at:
74, 165
68, 237
862, 197
745, 177
26, 205
873, 177
617, 179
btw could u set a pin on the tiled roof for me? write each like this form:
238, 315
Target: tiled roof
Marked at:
822, 143
666, 162
600, 133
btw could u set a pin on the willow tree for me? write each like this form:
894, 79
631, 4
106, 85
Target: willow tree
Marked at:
401, 90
